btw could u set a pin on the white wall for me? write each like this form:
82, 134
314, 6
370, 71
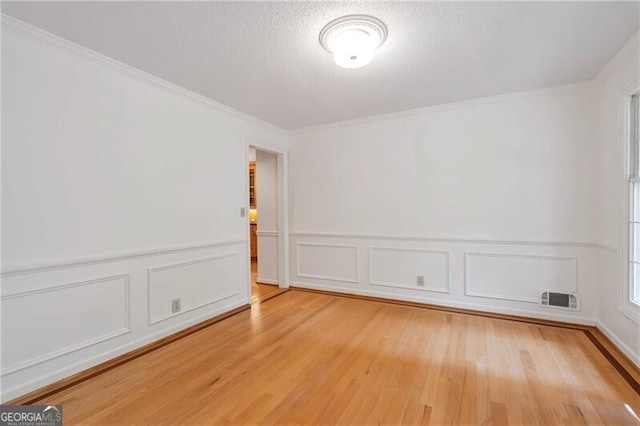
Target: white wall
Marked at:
618, 318
120, 193
267, 200
490, 200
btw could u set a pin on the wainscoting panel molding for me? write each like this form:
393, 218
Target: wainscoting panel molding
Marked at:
79, 313
399, 267
267, 233
518, 277
334, 262
49, 316
439, 239
118, 257
197, 283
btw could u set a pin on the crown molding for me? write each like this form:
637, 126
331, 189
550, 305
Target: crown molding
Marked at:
631, 46
73, 49
583, 86
70, 48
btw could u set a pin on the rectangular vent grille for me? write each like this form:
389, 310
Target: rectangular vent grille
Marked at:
559, 300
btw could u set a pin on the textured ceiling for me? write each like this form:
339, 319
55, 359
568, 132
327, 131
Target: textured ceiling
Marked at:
264, 58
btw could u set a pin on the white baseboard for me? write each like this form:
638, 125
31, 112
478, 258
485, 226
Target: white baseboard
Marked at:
53, 376
266, 281
622, 347
453, 304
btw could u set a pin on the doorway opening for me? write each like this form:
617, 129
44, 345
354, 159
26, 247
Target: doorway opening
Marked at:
265, 223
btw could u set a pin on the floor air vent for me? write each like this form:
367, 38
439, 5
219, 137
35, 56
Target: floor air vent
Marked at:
559, 300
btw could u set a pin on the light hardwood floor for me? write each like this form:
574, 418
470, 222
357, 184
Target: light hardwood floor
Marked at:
260, 291
312, 358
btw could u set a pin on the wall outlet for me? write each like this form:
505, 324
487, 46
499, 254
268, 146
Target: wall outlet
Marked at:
175, 305
420, 280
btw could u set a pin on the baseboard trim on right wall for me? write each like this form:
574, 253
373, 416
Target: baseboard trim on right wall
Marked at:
266, 281
622, 347
552, 315
622, 364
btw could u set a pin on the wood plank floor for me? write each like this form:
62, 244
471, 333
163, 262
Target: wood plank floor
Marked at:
306, 358
261, 291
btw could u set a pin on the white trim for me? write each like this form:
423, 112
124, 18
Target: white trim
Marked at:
469, 292
56, 287
447, 303
36, 34
455, 240
154, 320
607, 248
266, 281
630, 310
267, 233
515, 96
74, 263
623, 279
283, 218
64, 351
329, 277
70, 48
191, 262
81, 345
246, 207
282, 182
523, 299
84, 364
623, 347
446, 290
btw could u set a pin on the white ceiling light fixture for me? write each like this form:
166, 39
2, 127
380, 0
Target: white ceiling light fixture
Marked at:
352, 39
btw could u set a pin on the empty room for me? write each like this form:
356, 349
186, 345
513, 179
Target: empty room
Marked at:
353, 213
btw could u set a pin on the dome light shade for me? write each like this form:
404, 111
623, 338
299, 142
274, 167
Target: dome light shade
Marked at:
352, 48
353, 39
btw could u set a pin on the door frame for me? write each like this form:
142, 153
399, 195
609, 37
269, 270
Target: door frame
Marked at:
282, 203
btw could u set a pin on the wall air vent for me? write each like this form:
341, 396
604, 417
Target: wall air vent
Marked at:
559, 300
